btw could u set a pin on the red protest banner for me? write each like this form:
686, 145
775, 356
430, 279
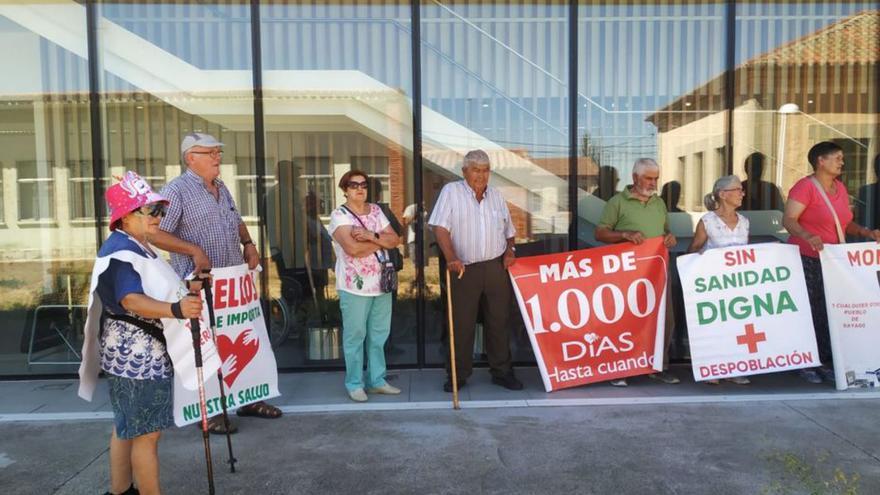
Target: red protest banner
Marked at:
594, 314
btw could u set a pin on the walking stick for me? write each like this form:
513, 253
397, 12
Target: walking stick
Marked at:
195, 330
209, 297
455, 404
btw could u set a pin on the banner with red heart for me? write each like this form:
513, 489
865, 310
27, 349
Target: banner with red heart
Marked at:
247, 362
244, 348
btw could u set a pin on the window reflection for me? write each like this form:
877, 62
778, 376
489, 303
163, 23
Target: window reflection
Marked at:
494, 78
337, 84
46, 249
806, 72
651, 85
336, 87
868, 205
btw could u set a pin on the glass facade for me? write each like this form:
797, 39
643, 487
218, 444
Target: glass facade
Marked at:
564, 96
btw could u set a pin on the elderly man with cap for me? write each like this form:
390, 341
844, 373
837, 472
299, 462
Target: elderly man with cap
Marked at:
633, 215
132, 290
474, 230
203, 229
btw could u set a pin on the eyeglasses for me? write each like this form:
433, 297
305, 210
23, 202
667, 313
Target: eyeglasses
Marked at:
733, 189
153, 210
357, 185
212, 153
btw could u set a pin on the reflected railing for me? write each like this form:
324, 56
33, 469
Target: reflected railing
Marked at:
170, 91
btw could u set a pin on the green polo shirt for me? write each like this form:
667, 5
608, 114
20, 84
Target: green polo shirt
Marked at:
625, 212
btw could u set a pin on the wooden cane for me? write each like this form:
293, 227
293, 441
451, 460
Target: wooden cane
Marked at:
455, 404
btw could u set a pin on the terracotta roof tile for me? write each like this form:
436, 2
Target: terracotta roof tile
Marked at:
853, 40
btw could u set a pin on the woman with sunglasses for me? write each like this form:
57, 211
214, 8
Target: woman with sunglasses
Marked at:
722, 227
135, 287
362, 234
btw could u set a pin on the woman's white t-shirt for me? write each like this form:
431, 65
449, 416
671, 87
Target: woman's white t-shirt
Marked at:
362, 275
720, 235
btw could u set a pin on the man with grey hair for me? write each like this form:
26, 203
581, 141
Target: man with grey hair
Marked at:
476, 235
633, 215
203, 229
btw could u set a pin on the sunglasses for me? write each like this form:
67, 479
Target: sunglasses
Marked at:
357, 185
212, 154
153, 210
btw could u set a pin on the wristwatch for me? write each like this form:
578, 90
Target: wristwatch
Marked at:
245, 243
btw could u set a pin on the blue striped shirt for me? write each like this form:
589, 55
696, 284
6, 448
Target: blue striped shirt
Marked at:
479, 229
194, 216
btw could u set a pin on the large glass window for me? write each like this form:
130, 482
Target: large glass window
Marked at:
494, 77
805, 72
702, 92
170, 69
337, 80
651, 83
45, 253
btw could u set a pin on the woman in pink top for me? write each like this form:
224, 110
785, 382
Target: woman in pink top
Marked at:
811, 224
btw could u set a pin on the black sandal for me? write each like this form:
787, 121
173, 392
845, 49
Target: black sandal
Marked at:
260, 410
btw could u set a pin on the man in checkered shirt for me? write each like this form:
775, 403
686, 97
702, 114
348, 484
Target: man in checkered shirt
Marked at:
203, 229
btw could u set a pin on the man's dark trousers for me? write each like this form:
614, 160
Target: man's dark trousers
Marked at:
486, 281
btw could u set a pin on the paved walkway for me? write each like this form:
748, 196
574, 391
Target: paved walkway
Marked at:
777, 436
37, 400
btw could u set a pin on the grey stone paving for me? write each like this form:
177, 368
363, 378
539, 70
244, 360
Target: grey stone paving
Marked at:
688, 448
745, 440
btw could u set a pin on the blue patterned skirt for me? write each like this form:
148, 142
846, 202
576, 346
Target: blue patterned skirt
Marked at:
141, 406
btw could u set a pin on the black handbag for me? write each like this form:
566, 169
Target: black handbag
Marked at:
388, 277
396, 258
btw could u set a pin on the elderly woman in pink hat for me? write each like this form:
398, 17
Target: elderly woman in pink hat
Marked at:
132, 289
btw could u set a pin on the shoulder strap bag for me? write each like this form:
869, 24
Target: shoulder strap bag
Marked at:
148, 328
840, 236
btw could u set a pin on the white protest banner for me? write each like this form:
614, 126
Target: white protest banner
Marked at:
748, 311
248, 363
852, 296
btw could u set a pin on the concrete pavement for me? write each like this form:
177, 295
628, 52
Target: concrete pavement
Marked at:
778, 436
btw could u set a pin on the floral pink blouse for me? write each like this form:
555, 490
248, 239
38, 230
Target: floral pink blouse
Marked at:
358, 275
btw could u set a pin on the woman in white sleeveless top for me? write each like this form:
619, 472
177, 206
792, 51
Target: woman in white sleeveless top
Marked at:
722, 227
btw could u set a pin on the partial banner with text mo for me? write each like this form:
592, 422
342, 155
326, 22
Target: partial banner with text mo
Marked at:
852, 296
747, 311
594, 314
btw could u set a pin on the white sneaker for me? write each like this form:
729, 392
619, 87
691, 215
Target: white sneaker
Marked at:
384, 389
358, 395
620, 382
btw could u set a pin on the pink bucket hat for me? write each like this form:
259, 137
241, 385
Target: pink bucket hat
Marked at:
127, 195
